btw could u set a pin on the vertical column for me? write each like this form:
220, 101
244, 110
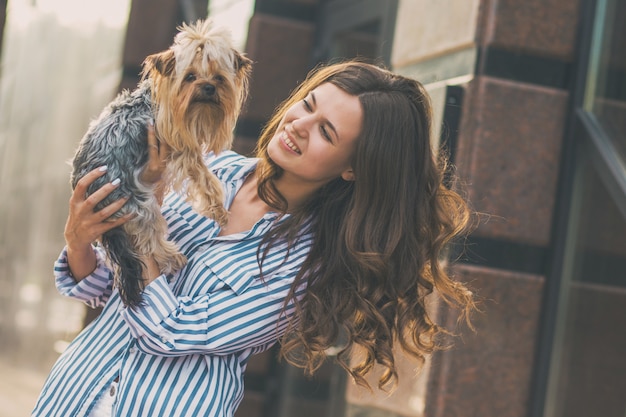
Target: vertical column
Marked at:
509, 151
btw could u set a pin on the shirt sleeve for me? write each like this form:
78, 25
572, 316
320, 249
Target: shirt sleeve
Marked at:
219, 323
94, 290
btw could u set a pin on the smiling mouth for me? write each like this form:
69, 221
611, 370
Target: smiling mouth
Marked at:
290, 144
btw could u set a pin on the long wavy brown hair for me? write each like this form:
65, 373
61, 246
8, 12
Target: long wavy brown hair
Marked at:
380, 240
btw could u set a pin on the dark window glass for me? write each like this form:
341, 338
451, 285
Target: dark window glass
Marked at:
588, 362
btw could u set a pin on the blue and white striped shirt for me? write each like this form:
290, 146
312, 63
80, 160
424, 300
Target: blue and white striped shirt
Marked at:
184, 351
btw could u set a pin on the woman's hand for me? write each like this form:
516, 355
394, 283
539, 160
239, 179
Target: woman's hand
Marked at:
84, 225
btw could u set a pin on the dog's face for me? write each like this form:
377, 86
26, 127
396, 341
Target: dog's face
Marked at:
200, 84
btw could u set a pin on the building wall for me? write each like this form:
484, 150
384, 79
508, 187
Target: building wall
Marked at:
513, 116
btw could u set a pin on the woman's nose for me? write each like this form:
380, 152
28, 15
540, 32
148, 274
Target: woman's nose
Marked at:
300, 126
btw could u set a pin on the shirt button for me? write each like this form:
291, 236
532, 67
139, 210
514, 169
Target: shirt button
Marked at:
112, 391
164, 339
131, 350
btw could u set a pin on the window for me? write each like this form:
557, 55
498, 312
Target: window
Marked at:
587, 370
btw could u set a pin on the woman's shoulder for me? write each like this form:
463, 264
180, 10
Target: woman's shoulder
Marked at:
228, 163
217, 160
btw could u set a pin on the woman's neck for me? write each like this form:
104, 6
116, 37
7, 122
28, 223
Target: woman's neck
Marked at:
246, 209
295, 191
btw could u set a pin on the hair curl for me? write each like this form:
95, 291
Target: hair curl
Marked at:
380, 240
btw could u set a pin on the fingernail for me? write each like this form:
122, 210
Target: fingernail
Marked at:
116, 181
103, 168
151, 122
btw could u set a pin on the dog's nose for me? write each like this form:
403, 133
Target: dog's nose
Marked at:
208, 89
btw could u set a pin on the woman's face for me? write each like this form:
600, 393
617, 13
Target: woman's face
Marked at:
316, 138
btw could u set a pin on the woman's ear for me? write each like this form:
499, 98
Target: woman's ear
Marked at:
348, 175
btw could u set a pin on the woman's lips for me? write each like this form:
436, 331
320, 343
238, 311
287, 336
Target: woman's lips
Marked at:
290, 144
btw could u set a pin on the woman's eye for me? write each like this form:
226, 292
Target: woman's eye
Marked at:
190, 77
306, 104
326, 134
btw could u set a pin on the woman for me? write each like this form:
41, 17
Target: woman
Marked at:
335, 233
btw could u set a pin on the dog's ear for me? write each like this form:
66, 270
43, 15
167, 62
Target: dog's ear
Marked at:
162, 62
242, 62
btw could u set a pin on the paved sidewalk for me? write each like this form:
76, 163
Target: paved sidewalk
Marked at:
18, 390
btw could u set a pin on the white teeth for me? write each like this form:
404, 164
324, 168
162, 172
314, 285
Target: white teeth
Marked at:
291, 145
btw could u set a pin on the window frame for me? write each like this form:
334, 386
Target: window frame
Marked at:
583, 135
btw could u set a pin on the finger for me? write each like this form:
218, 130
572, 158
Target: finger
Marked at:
110, 224
81, 186
118, 221
101, 193
109, 210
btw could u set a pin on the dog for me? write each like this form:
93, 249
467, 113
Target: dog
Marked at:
193, 93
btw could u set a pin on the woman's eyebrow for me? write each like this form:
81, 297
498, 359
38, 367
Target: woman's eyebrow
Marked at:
330, 125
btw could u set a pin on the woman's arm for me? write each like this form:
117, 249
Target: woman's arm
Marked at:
219, 323
93, 289
80, 271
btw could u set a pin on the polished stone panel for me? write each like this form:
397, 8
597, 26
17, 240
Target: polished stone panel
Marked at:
538, 27
488, 372
509, 154
280, 49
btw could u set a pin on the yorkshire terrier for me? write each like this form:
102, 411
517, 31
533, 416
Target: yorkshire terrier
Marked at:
193, 92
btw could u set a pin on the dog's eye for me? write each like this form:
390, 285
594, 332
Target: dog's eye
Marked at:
191, 77
219, 79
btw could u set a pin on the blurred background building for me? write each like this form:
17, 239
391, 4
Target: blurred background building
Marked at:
530, 102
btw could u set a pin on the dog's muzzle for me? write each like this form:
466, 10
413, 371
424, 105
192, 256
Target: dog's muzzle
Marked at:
208, 90
207, 93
